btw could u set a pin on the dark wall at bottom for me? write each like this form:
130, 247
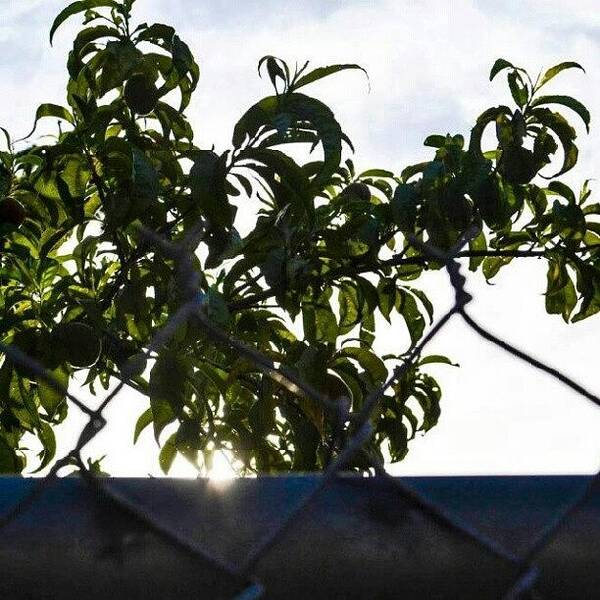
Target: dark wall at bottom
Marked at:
360, 538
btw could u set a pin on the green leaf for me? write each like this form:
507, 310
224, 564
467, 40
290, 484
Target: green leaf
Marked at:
376, 173
50, 397
274, 69
386, 289
46, 436
279, 62
289, 137
184, 63
565, 133
172, 121
413, 170
407, 306
80, 46
254, 119
145, 178
569, 102
75, 174
216, 376
435, 141
585, 192
477, 244
321, 72
320, 324
485, 118
498, 66
321, 119
420, 294
51, 110
305, 437
493, 264
397, 437
216, 308
555, 70
167, 454
518, 89
368, 360
290, 174
9, 460
158, 33
436, 359
207, 182
143, 421
6, 137
78, 7
120, 60
544, 147
568, 221
588, 285
288, 113
563, 190
428, 394
350, 307
404, 207
262, 413
168, 388
560, 293
412, 419
5, 181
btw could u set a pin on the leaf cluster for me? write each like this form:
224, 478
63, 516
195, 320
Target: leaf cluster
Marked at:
330, 259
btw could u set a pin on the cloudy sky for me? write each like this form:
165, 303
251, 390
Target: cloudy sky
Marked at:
428, 63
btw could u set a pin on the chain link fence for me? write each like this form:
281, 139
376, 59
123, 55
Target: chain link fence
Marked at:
194, 307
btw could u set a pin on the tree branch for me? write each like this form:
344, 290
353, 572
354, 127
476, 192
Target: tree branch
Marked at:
397, 261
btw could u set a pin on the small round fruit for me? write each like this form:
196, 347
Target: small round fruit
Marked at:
12, 212
359, 190
335, 388
118, 350
568, 221
140, 94
28, 342
134, 366
456, 209
488, 200
517, 165
78, 343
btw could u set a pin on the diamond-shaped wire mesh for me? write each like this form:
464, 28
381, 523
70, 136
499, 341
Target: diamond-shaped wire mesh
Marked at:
244, 571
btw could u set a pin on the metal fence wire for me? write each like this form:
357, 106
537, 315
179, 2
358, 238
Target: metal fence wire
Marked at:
194, 307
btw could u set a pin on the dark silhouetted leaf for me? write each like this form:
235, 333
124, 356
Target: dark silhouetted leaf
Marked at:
554, 71
569, 102
78, 7
498, 66
321, 72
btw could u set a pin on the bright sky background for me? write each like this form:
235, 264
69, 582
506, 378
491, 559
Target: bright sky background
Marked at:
428, 63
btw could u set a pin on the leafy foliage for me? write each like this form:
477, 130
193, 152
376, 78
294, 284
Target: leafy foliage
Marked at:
331, 253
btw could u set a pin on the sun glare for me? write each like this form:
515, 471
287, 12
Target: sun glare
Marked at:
221, 469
